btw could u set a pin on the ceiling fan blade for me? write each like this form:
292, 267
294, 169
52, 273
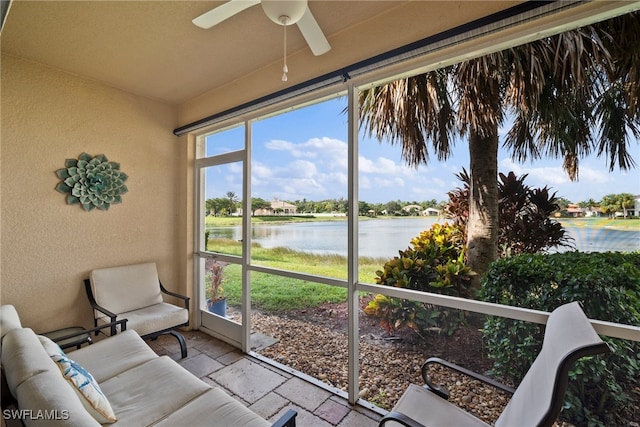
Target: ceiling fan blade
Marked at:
313, 34
225, 11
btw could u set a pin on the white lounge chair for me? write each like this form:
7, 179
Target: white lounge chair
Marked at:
134, 292
538, 399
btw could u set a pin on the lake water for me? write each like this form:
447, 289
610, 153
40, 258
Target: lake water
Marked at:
382, 238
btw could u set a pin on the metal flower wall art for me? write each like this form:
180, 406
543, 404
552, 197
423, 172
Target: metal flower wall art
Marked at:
92, 182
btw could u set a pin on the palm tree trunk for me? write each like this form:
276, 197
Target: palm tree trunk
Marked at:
482, 225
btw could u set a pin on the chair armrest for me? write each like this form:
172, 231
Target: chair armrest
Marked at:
399, 418
121, 322
287, 420
96, 306
173, 294
443, 392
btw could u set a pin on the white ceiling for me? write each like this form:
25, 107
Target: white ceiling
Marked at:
151, 48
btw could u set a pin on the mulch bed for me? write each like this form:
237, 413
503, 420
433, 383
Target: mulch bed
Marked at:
314, 341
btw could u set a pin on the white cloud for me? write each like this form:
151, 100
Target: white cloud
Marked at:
366, 165
235, 168
556, 175
310, 170
340, 180
399, 182
279, 145
423, 193
302, 169
439, 182
364, 182
548, 175
259, 171
590, 175
593, 181
383, 166
326, 144
315, 148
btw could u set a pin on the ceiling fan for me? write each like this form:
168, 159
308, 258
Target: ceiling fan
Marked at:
282, 12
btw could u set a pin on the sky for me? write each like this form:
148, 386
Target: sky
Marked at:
302, 154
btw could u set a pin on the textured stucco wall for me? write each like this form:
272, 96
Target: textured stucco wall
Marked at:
49, 247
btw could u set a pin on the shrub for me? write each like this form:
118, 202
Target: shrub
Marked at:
524, 213
608, 286
433, 263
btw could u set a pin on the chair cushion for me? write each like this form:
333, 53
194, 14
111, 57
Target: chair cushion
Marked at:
48, 393
152, 391
429, 409
215, 407
50, 346
92, 397
114, 355
122, 289
23, 357
153, 318
9, 320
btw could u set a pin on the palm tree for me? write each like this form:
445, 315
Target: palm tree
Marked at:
569, 94
232, 201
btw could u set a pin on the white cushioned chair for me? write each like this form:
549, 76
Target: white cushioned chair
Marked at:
538, 399
134, 292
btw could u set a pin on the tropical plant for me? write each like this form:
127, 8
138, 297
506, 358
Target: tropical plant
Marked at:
612, 203
216, 206
601, 389
433, 263
258, 203
232, 201
524, 215
571, 94
213, 280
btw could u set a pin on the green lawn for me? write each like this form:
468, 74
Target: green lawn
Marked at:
277, 293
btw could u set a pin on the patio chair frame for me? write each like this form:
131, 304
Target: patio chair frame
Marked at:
152, 335
559, 384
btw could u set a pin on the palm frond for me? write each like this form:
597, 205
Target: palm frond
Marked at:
410, 112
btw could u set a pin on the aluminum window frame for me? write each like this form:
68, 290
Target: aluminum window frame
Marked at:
317, 91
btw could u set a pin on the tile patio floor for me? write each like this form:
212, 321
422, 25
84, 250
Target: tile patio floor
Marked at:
265, 389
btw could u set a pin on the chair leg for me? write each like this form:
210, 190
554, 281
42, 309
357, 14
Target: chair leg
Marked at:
183, 344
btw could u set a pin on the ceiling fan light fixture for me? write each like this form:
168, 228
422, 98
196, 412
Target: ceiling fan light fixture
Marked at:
281, 12
275, 9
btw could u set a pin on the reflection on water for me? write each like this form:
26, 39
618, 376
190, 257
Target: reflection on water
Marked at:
234, 233
602, 239
383, 238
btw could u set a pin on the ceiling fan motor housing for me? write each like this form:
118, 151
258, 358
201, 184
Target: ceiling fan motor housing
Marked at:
293, 9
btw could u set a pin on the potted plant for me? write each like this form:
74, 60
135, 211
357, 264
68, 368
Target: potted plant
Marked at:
214, 291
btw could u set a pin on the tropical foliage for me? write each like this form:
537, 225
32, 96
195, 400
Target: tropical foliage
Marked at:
433, 263
525, 224
258, 203
612, 203
571, 94
213, 281
601, 389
